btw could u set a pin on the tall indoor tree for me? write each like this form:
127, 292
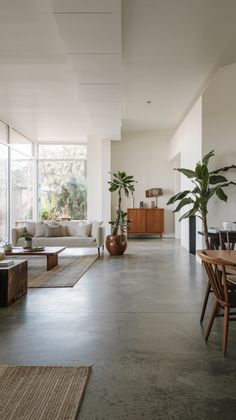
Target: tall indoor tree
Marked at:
121, 183
206, 184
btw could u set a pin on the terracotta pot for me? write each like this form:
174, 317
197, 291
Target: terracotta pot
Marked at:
116, 244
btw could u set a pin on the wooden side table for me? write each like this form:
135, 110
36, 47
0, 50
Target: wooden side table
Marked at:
13, 282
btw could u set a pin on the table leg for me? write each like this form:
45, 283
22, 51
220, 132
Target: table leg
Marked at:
52, 261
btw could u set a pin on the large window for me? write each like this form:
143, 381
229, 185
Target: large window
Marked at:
17, 179
3, 132
3, 191
22, 176
21, 143
62, 174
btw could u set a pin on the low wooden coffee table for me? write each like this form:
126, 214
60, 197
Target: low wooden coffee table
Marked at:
13, 282
50, 252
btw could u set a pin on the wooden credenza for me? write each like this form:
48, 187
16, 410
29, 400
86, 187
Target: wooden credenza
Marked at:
146, 221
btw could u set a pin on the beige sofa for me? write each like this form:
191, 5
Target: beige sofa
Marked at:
77, 234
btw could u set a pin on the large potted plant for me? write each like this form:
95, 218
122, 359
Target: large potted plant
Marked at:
206, 184
116, 243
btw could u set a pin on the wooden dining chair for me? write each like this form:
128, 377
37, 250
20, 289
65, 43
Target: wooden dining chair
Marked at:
224, 292
226, 241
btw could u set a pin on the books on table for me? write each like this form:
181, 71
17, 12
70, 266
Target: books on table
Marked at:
6, 263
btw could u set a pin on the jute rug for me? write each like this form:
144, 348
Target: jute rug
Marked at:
68, 271
42, 392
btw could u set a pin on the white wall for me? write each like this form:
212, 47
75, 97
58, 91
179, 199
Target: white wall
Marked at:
219, 133
186, 148
145, 155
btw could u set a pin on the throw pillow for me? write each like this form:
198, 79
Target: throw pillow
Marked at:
95, 226
53, 231
72, 227
40, 229
31, 228
64, 230
84, 229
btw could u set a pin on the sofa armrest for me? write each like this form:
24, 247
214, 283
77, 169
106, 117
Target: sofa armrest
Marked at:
100, 235
17, 233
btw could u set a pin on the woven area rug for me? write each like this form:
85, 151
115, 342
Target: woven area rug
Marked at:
42, 392
68, 271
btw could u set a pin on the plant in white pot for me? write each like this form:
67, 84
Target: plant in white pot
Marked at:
116, 243
28, 240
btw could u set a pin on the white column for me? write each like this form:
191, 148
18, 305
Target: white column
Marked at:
99, 166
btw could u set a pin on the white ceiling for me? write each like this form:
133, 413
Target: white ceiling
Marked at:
65, 75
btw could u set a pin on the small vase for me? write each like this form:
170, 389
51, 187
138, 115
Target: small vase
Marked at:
8, 248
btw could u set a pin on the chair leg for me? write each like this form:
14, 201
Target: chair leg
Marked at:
213, 314
205, 301
98, 251
226, 329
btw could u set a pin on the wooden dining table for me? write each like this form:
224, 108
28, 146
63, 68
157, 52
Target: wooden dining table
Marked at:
225, 255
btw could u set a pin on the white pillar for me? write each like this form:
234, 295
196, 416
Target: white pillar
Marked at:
98, 168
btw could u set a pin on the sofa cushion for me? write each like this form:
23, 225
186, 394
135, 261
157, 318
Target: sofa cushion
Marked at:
53, 231
68, 241
40, 229
84, 229
31, 228
64, 230
71, 227
95, 226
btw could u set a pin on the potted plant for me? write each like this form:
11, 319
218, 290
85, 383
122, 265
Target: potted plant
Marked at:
28, 240
7, 247
206, 184
116, 243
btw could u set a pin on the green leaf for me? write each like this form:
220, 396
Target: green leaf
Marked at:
113, 188
183, 203
126, 192
187, 172
206, 158
189, 213
203, 178
221, 195
224, 169
199, 171
121, 175
216, 179
196, 191
212, 191
178, 196
226, 184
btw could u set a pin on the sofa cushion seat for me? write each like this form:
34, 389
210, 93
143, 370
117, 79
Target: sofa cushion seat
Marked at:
67, 241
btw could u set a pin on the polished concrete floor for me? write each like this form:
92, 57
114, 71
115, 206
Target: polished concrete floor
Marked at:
135, 318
